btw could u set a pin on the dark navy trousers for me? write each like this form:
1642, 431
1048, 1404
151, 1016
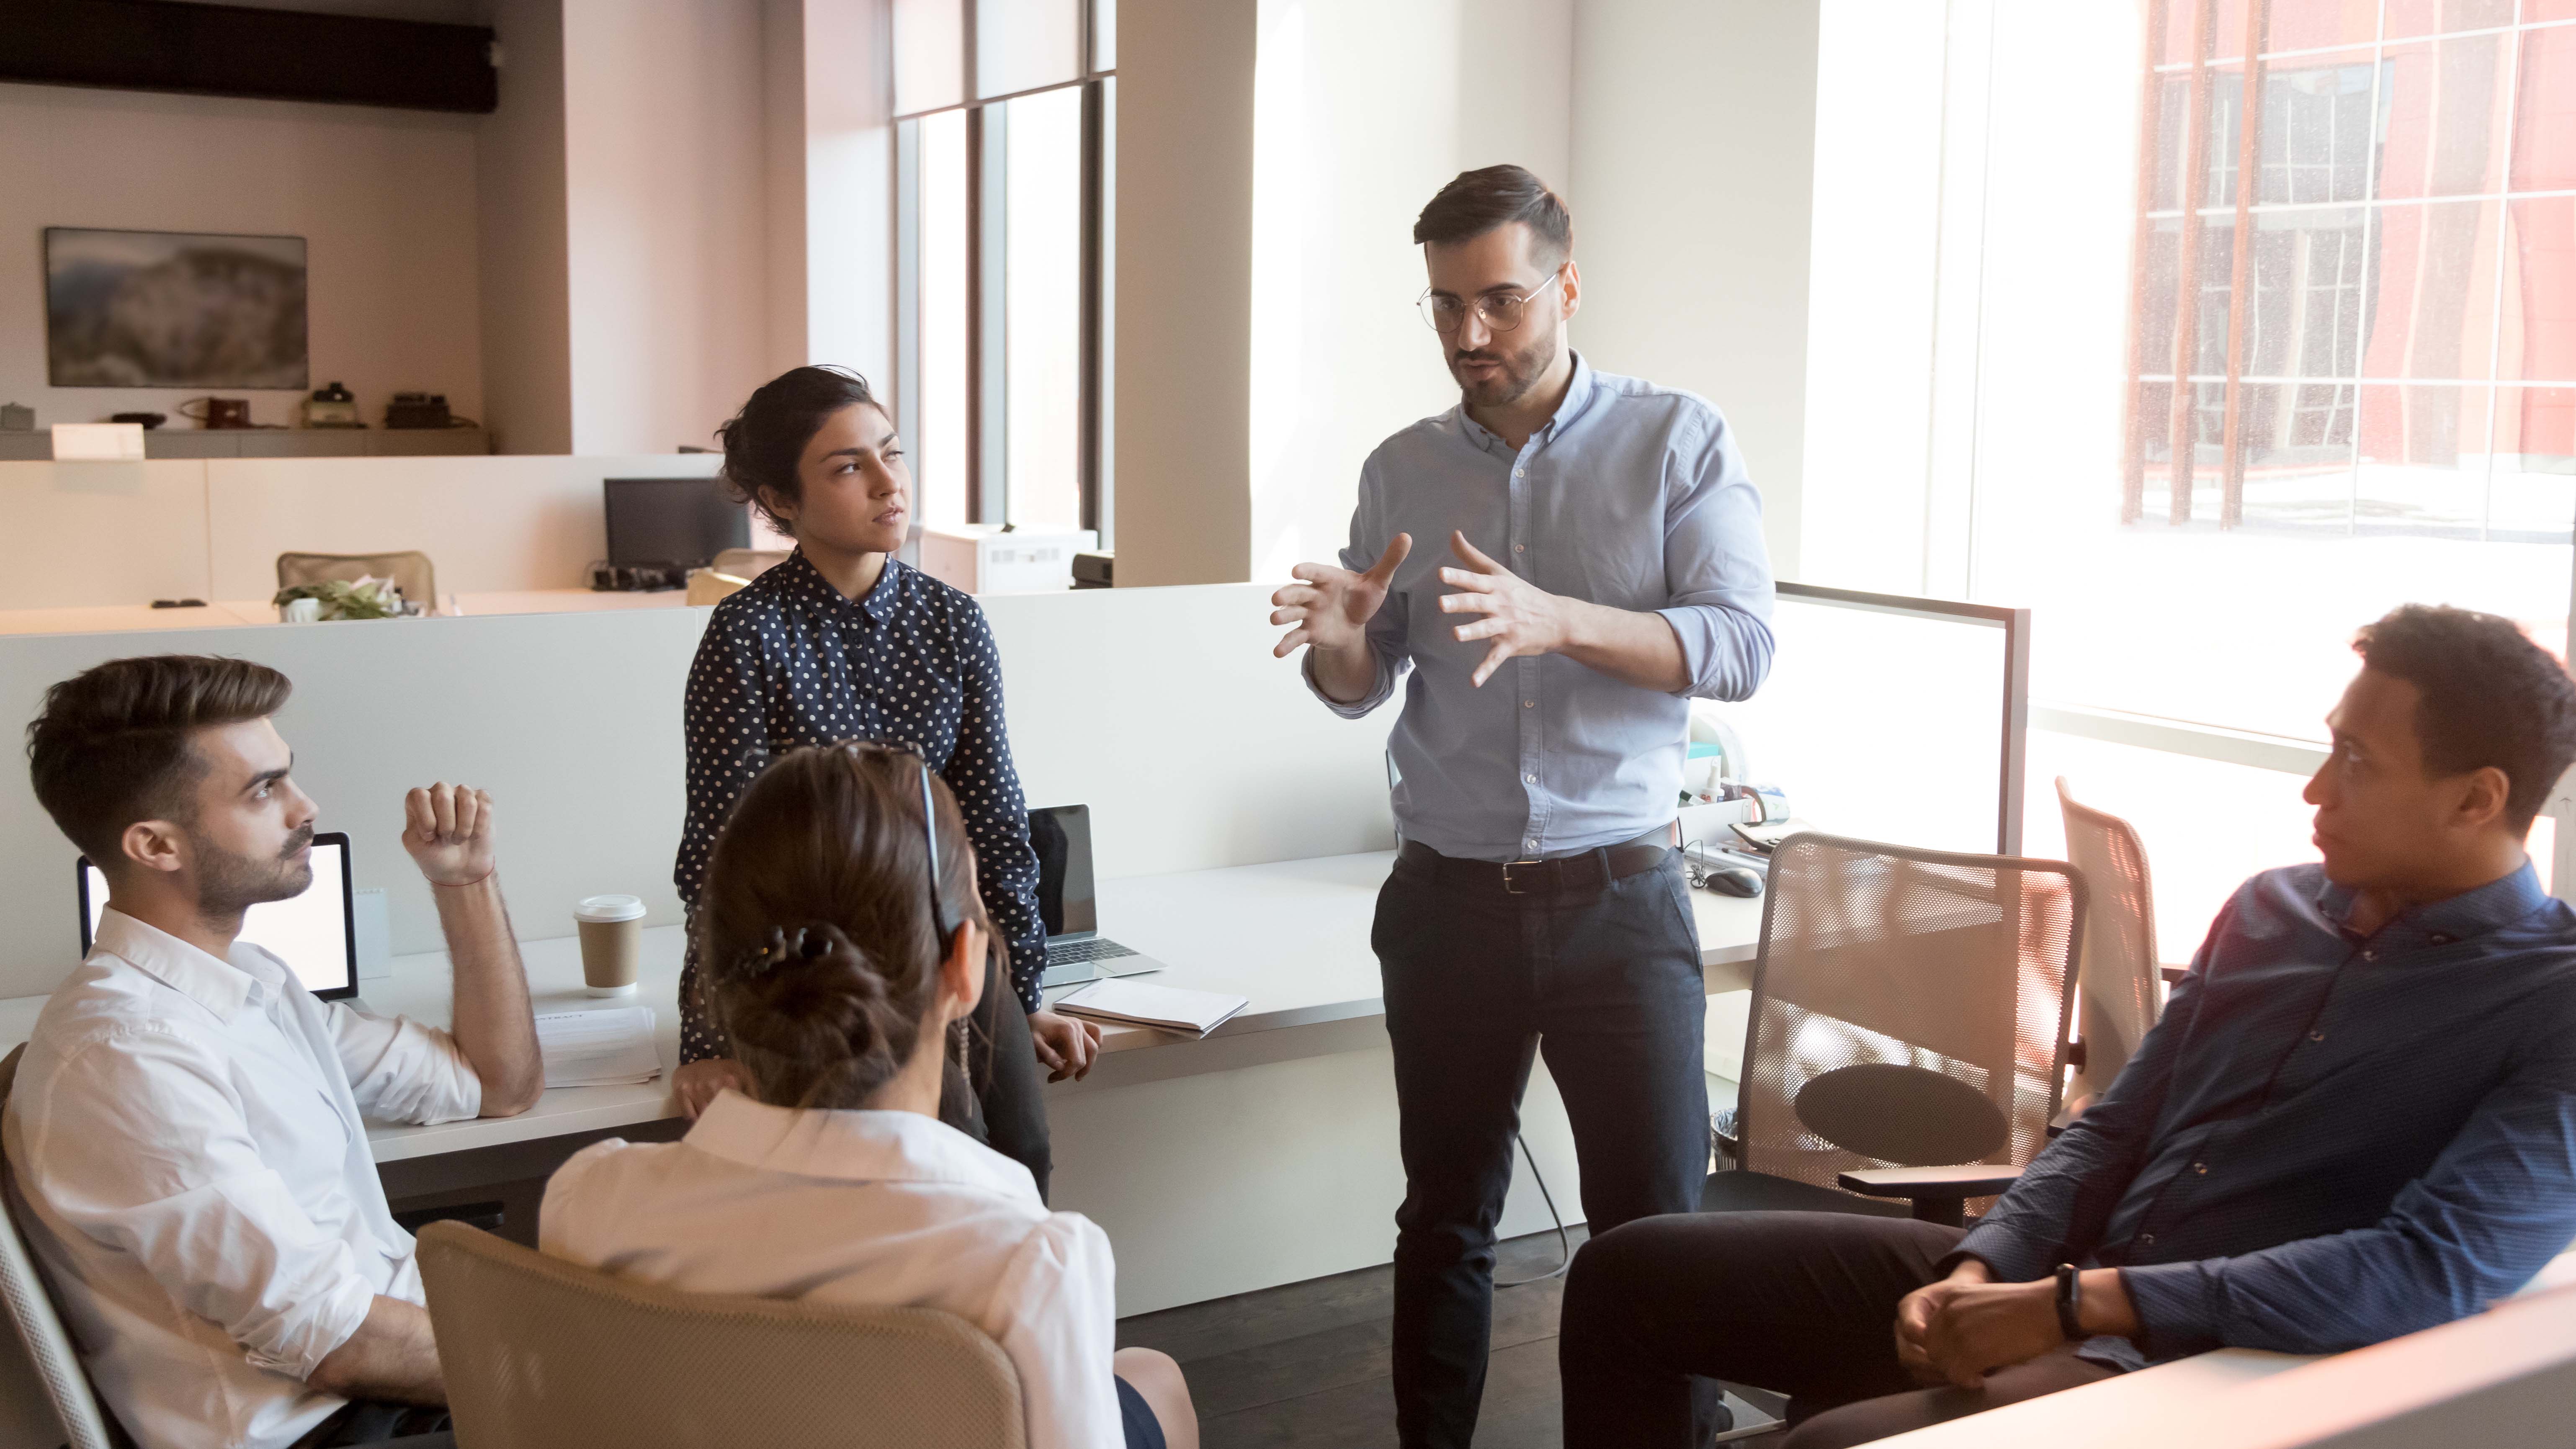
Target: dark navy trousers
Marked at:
1605, 980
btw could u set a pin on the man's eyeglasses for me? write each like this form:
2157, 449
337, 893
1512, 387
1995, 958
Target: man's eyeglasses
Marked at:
1500, 311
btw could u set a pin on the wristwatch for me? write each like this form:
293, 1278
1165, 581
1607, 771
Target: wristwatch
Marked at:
2070, 1302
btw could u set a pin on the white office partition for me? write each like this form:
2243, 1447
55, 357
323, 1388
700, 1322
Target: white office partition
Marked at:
487, 523
103, 533
1894, 718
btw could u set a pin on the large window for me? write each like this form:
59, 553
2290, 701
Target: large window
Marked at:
2248, 321
1003, 135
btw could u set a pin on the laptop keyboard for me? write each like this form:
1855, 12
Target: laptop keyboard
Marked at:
1075, 953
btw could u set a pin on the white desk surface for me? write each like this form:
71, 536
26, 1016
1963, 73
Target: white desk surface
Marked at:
234, 613
1292, 936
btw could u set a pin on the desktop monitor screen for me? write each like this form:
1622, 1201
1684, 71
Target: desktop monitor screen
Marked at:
1061, 835
315, 934
683, 521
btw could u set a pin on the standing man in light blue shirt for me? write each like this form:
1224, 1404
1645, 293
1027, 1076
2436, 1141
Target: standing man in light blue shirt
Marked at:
1590, 560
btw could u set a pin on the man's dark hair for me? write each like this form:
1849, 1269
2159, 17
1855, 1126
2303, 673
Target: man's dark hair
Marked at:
111, 746
1476, 202
2490, 697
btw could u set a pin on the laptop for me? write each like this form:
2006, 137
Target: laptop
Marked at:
1076, 951
315, 934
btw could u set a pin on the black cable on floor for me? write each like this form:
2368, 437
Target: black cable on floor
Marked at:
1564, 1244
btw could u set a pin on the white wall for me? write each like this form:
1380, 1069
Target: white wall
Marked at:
1694, 150
846, 250
666, 218
1362, 111
212, 529
1184, 259
519, 180
385, 200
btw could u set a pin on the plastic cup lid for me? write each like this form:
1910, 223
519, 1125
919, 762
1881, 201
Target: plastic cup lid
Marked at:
609, 908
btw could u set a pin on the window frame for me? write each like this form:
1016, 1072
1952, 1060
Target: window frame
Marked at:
986, 470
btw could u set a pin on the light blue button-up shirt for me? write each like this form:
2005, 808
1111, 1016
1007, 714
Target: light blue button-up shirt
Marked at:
1634, 497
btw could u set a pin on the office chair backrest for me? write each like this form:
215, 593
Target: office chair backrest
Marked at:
409, 569
540, 1352
748, 563
1909, 1008
2118, 990
40, 1326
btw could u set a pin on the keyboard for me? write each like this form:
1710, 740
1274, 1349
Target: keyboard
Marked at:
1075, 953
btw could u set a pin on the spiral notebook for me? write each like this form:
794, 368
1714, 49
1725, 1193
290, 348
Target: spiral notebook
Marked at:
1141, 1003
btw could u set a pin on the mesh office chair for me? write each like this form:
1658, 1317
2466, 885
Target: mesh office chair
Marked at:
409, 569
49, 1348
1908, 1029
541, 1353
2119, 993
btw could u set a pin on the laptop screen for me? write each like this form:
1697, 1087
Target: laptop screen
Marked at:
315, 934
1062, 836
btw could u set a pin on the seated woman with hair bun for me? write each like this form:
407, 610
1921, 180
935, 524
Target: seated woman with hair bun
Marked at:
843, 950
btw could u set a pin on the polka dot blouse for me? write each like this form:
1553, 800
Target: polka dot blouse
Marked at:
788, 661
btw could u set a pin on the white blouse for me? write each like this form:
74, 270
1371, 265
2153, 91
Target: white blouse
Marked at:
883, 1209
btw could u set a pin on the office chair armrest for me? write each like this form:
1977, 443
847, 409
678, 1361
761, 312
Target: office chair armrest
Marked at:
2173, 975
1939, 1194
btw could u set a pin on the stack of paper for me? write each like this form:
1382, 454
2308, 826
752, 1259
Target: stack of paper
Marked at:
1169, 1007
598, 1048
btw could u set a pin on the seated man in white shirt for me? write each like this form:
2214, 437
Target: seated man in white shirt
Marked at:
186, 1122
839, 947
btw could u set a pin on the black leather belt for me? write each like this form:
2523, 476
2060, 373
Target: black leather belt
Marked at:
1589, 871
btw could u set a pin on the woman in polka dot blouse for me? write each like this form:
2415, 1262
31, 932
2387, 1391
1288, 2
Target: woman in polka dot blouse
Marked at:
841, 642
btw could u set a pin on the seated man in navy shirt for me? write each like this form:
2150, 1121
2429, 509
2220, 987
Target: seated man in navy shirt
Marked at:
2355, 1120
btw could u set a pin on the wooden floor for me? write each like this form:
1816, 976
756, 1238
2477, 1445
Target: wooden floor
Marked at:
1305, 1365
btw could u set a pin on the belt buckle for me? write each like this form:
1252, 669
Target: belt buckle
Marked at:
1511, 887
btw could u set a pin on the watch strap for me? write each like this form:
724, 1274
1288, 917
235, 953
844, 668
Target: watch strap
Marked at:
2070, 1302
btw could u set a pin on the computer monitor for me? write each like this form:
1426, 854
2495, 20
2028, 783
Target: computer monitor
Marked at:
1062, 837
680, 521
315, 934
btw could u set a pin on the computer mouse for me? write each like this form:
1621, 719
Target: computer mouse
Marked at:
1735, 880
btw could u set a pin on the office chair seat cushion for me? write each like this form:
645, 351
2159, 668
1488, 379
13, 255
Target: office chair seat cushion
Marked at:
1902, 1114
1760, 1192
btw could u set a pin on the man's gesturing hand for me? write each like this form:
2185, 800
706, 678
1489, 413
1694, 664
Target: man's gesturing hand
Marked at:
448, 830
1330, 607
1520, 617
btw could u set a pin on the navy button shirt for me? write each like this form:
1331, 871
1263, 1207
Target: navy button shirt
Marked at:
789, 661
2329, 1140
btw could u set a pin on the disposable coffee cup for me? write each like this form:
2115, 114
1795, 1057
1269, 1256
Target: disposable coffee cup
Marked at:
612, 940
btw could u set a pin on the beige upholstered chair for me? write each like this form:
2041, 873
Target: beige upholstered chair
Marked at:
409, 569
541, 1353
2118, 993
1908, 1029
49, 1352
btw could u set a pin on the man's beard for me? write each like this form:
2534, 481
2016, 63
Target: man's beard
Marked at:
1520, 371
229, 884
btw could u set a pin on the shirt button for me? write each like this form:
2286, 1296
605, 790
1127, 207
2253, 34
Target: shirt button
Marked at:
2316, 1036
1529, 704
1520, 548
2370, 955
1520, 472
2201, 1167
1532, 779
2146, 1240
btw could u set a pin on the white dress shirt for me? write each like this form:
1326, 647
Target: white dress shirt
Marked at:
883, 1209
187, 1133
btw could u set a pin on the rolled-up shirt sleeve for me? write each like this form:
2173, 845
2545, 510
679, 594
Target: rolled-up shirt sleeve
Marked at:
145, 1147
402, 1071
1370, 534
1718, 570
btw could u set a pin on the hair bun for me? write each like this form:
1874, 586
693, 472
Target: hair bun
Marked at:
816, 990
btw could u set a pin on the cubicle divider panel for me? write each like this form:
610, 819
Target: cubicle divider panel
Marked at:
86, 534
1163, 711
1160, 708
487, 523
